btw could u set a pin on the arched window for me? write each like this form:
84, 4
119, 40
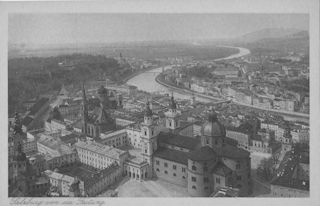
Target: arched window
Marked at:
194, 168
145, 132
194, 187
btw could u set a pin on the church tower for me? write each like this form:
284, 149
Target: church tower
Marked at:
149, 133
103, 96
213, 133
172, 117
84, 108
193, 100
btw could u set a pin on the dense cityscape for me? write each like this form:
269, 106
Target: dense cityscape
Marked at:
206, 119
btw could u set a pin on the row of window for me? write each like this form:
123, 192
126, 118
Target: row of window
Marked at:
166, 172
173, 166
205, 179
194, 187
205, 168
94, 155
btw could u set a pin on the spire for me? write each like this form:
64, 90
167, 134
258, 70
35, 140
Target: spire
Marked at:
213, 116
17, 123
85, 109
19, 147
172, 104
256, 126
148, 112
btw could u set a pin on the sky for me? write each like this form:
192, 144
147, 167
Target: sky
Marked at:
108, 28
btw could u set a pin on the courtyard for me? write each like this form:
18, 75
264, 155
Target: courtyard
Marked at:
126, 187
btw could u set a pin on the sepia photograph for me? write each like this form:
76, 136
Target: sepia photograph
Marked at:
142, 104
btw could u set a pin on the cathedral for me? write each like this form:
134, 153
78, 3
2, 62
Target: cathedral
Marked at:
99, 121
201, 165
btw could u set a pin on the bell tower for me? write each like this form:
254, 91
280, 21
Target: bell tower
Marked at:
172, 117
149, 133
84, 108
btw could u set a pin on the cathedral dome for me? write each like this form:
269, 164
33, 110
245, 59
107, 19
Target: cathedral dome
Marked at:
148, 111
213, 128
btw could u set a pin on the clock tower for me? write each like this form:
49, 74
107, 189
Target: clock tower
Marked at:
149, 133
172, 117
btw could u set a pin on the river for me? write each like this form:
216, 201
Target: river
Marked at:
146, 82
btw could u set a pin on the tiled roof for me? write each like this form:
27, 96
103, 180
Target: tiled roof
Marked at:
205, 153
105, 172
178, 140
27, 121
100, 116
38, 105
101, 149
221, 169
172, 155
232, 152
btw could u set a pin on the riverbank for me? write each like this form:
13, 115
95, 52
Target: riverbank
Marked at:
295, 114
145, 83
135, 74
187, 91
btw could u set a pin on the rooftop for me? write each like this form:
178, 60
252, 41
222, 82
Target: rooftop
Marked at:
112, 134
232, 152
101, 149
38, 105
27, 121
172, 155
205, 153
178, 140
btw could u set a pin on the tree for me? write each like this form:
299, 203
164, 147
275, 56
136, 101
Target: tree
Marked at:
56, 114
268, 167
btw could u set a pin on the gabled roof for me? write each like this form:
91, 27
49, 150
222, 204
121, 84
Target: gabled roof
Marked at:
16, 193
205, 153
232, 152
100, 116
178, 140
172, 155
63, 91
221, 169
27, 121
38, 105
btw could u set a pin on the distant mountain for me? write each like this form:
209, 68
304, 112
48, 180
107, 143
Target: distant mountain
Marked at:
268, 34
301, 34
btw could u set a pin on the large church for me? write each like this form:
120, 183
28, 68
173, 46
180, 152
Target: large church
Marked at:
99, 121
201, 165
